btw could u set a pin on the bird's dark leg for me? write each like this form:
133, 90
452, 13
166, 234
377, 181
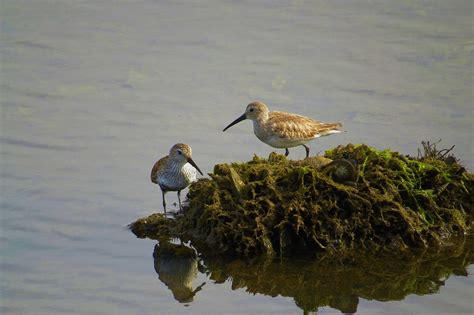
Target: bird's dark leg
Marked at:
287, 152
179, 199
307, 150
164, 201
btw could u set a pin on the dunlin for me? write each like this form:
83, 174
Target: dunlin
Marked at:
284, 130
175, 171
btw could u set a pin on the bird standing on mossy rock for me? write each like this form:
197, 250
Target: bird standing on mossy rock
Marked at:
175, 171
284, 130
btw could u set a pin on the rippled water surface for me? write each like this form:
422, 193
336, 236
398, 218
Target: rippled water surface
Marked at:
94, 92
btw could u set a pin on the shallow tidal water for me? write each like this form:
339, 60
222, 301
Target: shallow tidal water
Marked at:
93, 92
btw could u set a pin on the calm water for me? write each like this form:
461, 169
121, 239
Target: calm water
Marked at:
93, 92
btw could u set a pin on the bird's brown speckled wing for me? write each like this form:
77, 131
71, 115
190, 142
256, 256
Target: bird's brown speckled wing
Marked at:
292, 126
156, 167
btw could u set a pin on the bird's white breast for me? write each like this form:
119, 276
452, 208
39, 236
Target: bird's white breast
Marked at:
189, 172
175, 178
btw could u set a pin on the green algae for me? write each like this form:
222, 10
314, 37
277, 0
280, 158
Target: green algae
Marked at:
353, 197
156, 226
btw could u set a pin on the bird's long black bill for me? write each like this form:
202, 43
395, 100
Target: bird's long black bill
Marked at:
235, 122
190, 161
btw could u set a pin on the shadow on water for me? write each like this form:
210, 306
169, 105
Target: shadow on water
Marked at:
324, 280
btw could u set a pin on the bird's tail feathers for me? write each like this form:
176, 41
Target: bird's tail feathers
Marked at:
330, 128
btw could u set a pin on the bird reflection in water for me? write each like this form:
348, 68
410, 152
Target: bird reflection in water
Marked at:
177, 267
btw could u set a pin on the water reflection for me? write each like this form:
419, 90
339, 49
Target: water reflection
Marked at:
337, 282
177, 267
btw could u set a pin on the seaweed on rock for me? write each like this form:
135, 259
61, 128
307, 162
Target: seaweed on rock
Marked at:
354, 197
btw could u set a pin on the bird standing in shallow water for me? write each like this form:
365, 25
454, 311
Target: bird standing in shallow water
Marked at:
284, 130
175, 171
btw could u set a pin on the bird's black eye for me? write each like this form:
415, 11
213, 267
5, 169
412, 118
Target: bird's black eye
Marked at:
179, 152
251, 110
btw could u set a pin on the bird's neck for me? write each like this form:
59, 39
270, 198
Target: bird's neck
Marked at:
262, 118
176, 166
259, 128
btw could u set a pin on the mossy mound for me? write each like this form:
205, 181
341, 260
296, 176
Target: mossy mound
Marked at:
365, 198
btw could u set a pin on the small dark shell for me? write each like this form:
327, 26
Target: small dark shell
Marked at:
342, 171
